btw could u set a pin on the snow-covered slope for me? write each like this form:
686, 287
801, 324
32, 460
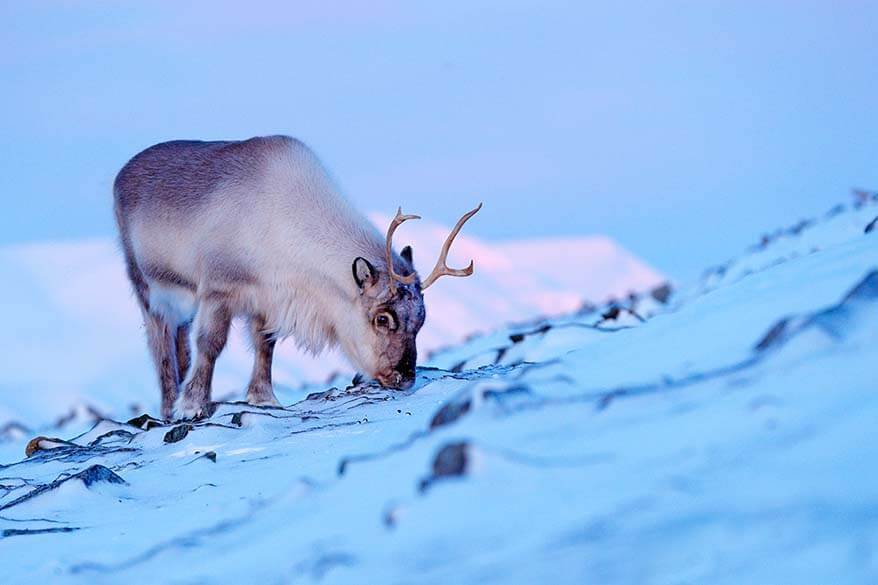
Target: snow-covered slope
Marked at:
73, 337
725, 439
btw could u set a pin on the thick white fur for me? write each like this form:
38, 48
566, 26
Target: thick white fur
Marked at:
291, 230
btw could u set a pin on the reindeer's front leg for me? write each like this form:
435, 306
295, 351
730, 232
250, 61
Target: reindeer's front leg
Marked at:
259, 391
212, 332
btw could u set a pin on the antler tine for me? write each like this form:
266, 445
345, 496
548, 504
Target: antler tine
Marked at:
442, 268
394, 277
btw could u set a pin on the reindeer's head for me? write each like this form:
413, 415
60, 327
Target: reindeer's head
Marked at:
391, 304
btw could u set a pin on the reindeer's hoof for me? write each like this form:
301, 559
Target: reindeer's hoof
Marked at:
261, 396
191, 410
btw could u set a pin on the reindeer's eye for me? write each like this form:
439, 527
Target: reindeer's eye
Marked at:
385, 321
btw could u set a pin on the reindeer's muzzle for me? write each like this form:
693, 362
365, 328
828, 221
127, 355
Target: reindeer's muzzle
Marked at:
396, 381
403, 375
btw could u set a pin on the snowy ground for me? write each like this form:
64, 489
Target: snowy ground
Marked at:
727, 436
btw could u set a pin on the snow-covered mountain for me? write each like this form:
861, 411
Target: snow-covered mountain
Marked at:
72, 334
724, 437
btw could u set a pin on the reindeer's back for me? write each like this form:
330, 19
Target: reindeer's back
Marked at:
208, 212
180, 176
198, 210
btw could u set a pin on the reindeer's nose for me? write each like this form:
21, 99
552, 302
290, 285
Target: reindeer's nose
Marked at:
396, 380
405, 383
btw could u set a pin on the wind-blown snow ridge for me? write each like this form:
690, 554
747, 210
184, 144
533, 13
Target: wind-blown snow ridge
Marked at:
718, 439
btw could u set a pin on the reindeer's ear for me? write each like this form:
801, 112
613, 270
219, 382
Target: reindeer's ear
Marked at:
407, 256
364, 273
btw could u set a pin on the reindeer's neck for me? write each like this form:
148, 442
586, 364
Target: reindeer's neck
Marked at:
318, 299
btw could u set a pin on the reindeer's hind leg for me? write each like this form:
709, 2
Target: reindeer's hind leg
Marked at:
184, 352
259, 391
212, 331
161, 345
160, 335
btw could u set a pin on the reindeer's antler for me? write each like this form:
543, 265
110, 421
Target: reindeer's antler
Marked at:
442, 268
394, 277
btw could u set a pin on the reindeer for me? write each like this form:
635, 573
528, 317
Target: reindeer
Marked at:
257, 229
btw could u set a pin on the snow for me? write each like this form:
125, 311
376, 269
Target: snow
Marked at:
722, 438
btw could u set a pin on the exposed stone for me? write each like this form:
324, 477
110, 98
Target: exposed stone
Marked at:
611, 313
178, 433
145, 422
662, 292
89, 477
774, 336
450, 412
451, 461
123, 434
10, 532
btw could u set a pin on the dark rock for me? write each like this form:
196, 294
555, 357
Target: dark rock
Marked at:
516, 337
800, 227
325, 395
9, 532
715, 272
775, 335
835, 210
145, 422
96, 474
458, 367
89, 477
116, 433
834, 321
866, 289
451, 460
611, 313
450, 412
871, 227
607, 399
662, 292
178, 433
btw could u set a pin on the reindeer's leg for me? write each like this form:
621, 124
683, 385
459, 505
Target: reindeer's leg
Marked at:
184, 352
159, 336
260, 392
161, 345
212, 330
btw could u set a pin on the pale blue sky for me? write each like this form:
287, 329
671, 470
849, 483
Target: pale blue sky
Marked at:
682, 129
